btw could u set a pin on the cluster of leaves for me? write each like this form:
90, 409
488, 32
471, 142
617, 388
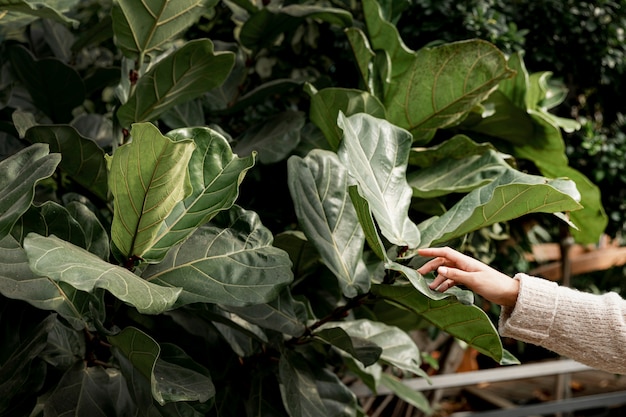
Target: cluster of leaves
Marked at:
136, 281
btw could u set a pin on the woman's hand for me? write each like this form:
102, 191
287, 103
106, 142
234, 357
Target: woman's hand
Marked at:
455, 268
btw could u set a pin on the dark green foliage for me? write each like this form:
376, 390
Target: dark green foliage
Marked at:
213, 208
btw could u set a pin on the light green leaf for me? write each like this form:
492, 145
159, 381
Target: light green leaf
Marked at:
398, 348
376, 155
327, 103
63, 262
510, 196
457, 147
466, 322
215, 174
17, 281
19, 174
25, 11
147, 27
319, 189
460, 175
183, 75
230, 261
83, 159
148, 177
364, 215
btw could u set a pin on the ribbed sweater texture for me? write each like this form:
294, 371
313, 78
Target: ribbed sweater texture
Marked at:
586, 327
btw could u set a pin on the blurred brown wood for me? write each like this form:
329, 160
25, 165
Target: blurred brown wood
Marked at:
583, 258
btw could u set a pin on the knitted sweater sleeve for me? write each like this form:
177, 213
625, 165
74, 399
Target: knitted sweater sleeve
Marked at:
588, 328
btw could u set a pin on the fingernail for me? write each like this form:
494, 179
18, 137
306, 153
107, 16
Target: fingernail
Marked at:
442, 270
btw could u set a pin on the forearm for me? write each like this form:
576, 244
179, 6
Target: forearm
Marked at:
585, 327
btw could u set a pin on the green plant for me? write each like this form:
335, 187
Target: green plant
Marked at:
138, 281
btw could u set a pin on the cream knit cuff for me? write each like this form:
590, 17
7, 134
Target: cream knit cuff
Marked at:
531, 318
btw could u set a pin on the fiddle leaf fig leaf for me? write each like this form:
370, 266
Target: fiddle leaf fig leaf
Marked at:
319, 187
327, 103
509, 196
63, 262
19, 174
460, 175
14, 9
434, 87
147, 27
284, 314
376, 154
230, 261
19, 282
363, 350
265, 25
83, 159
398, 349
172, 375
183, 75
466, 322
148, 177
215, 174
312, 391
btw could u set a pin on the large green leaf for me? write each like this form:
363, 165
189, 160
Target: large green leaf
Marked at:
148, 27
364, 215
83, 159
230, 261
274, 138
327, 103
552, 162
457, 147
19, 174
363, 55
172, 375
215, 174
64, 262
55, 88
76, 224
398, 349
17, 281
434, 87
310, 391
284, 314
89, 391
148, 177
363, 350
376, 155
466, 322
319, 189
460, 175
264, 26
510, 196
183, 75
18, 13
